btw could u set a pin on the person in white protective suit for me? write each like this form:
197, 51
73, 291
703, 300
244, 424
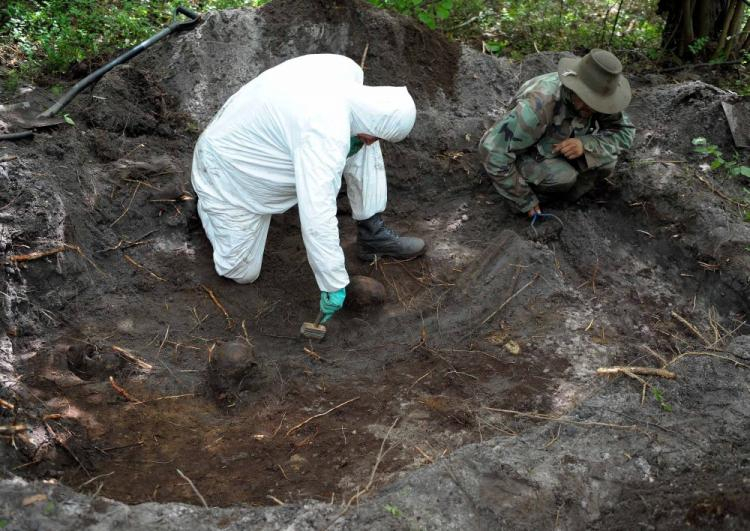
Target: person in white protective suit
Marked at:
286, 138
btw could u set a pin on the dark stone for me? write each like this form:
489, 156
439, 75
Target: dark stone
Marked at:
364, 291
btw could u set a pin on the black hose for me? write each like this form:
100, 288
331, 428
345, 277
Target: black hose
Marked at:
96, 75
17, 136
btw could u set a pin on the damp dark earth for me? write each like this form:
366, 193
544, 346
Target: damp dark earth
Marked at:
139, 389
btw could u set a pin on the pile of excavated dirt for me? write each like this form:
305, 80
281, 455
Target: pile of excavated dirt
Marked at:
468, 399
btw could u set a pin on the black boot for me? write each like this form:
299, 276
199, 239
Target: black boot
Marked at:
374, 239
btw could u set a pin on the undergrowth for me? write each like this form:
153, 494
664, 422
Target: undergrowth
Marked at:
46, 37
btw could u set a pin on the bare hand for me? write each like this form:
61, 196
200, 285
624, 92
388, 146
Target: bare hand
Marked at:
534, 211
570, 148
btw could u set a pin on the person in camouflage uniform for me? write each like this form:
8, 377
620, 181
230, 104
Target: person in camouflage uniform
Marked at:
565, 130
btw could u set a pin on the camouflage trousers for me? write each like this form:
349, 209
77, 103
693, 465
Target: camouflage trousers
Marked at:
570, 179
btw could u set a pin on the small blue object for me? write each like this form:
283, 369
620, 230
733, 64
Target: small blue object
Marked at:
331, 302
541, 216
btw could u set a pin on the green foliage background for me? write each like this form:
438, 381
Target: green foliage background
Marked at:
47, 36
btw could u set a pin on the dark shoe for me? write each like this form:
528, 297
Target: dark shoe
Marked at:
374, 240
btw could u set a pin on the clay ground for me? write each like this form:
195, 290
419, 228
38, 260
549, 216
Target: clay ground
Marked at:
475, 379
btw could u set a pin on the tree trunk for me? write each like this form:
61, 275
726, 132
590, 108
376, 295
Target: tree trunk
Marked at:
716, 21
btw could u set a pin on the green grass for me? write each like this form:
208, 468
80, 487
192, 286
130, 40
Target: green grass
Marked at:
48, 36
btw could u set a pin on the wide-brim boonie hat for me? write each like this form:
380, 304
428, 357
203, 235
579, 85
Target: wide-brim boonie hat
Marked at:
597, 79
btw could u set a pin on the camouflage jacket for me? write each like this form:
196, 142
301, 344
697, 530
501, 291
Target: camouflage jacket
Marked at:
543, 115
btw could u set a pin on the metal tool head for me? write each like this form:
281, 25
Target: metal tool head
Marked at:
313, 330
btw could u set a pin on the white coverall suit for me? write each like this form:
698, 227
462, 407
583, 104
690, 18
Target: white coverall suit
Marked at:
282, 140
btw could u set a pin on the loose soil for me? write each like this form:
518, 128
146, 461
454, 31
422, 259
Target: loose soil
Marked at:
108, 341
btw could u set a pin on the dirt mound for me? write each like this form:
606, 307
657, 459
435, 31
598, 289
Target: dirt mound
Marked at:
467, 397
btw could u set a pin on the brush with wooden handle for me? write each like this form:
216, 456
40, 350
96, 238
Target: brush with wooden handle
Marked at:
313, 330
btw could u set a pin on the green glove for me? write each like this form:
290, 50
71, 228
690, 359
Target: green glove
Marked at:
331, 302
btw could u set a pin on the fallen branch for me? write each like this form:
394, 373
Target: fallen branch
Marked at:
298, 426
192, 486
122, 392
6, 405
645, 371
132, 358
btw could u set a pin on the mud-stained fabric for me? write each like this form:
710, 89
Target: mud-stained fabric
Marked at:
284, 139
543, 115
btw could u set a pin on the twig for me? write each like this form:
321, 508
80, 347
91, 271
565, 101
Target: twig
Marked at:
275, 499
311, 353
709, 354
137, 187
655, 354
563, 420
35, 255
424, 454
521, 289
94, 479
171, 397
719, 192
122, 392
690, 327
192, 486
364, 56
62, 443
298, 426
230, 322
646, 371
139, 266
698, 65
378, 460
132, 358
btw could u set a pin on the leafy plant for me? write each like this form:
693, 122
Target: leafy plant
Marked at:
394, 511
68, 119
429, 12
698, 45
659, 397
732, 167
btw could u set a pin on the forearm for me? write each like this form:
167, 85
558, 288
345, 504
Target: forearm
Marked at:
613, 138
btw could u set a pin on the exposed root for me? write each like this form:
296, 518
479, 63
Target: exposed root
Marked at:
139, 266
215, 300
298, 426
646, 371
122, 392
35, 255
132, 358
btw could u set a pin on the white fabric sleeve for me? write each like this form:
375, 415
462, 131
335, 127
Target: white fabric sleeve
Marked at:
318, 163
365, 182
